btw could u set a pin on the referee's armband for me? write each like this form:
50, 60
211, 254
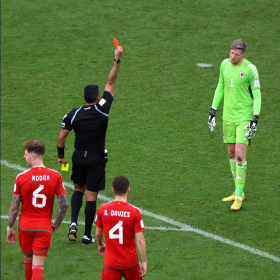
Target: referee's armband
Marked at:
60, 152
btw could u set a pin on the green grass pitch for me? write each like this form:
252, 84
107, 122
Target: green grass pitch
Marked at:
157, 135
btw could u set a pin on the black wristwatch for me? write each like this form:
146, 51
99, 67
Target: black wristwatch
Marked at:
117, 60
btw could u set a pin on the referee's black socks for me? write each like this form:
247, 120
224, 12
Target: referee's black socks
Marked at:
90, 210
76, 204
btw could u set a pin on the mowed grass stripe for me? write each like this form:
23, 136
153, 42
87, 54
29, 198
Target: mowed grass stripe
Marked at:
182, 227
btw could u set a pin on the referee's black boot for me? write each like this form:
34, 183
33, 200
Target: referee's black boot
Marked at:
72, 233
88, 240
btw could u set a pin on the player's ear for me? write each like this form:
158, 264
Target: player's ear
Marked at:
113, 190
128, 190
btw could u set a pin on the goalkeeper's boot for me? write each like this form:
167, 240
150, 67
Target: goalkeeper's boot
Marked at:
88, 240
72, 233
236, 205
232, 197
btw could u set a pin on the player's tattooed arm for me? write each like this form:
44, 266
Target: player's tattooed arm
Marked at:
62, 210
14, 210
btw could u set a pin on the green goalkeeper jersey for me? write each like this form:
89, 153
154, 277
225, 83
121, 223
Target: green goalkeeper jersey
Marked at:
238, 84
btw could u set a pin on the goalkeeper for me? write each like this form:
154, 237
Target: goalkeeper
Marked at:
239, 85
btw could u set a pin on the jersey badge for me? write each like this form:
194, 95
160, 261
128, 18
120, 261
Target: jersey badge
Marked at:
256, 83
102, 102
241, 74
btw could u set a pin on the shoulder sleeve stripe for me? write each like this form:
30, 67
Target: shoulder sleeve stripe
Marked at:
55, 171
106, 115
75, 115
135, 207
23, 172
255, 71
225, 60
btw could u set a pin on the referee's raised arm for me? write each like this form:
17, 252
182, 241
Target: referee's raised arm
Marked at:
114, 71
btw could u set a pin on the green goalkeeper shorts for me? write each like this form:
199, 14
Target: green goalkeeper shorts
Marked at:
235, 132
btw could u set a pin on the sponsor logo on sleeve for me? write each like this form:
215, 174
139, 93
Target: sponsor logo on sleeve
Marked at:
62, 124
241, 74
102, 102
256, 83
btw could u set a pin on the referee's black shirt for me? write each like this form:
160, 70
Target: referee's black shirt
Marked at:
90, 124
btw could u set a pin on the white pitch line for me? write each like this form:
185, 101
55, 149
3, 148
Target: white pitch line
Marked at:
83, 223
204, 65
182, 227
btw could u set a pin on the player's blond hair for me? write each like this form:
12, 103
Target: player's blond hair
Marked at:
239, 44
35, 146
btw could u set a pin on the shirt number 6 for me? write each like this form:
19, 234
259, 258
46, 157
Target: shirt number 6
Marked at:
36, 195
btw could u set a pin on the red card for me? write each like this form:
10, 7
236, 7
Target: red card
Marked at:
115, 42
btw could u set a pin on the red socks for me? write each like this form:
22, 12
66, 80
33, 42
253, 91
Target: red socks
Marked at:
37, 272
28, 269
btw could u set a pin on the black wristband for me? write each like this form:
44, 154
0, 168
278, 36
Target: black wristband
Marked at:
117, 60
60, 152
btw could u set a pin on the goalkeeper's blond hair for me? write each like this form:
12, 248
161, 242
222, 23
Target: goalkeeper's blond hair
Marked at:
239, 44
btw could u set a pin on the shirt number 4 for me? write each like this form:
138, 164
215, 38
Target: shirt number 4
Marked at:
37, 196
112, 235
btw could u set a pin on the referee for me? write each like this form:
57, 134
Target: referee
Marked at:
89, 159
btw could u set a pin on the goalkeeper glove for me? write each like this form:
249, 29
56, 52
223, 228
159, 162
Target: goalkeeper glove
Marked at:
211, 120
251, 127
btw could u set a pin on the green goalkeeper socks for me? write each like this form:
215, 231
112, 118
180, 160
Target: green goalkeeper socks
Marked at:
232, 163
241, 170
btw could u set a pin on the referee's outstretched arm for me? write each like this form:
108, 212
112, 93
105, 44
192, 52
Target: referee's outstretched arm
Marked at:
114, 72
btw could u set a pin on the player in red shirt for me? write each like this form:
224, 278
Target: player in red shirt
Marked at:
121, 222
36, 189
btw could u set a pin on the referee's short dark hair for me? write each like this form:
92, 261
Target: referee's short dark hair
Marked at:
120, 185
35, 146
90, 93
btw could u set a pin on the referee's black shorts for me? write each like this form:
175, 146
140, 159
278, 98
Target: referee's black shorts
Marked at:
88, 168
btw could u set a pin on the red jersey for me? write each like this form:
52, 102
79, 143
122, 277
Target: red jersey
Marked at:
37, 187
120, 221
